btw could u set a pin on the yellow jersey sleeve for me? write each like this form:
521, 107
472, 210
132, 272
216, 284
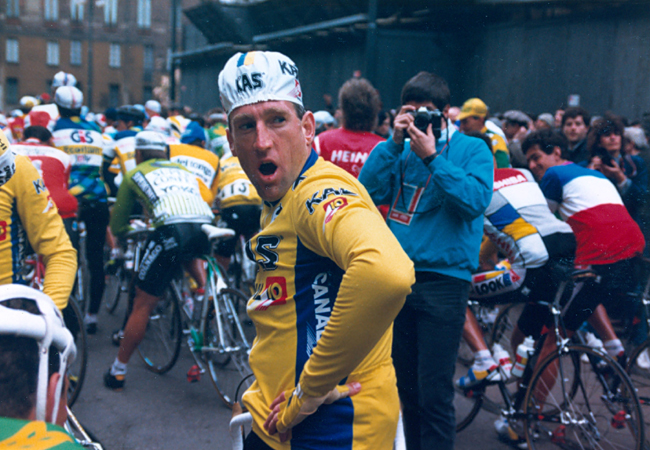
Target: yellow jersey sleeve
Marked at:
336, 218
45, 232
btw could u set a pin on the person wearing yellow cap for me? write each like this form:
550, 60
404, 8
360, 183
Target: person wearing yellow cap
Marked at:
27, 213
472, 119
331, 278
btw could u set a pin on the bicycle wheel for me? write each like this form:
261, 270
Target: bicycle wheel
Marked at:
116, 284
504, 325
604, 413
228, 359
638, 368
161, 344
77, 370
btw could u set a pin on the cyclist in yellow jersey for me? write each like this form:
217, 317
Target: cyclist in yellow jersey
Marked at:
239, 205
28, 216
331, 277
201, 162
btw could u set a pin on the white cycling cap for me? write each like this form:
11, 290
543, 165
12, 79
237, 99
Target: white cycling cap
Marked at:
7, 164
69, 97
63, 79
323, 117
152, 105
28, 101
159, 125
255, 77
47, 329
150, 140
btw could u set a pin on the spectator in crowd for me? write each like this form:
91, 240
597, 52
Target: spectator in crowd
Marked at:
384, 124
324, 121
557, 118
348, 147
544, 120
636, 144
515, 126
629, 173
438, 188
575, 125
472, 118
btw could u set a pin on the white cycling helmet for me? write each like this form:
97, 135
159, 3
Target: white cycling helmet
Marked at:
150, 140
69, 97
63, 79
47, 329
159, 125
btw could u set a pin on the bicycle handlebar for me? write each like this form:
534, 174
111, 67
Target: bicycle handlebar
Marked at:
236, 434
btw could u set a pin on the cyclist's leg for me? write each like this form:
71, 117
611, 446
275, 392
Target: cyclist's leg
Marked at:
136, 326
96, 217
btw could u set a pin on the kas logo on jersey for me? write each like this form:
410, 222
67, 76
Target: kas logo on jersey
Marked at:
274, 294
334, 205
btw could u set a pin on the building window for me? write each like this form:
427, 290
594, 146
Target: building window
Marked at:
77, 10
114, 95
110, 12
114, 57
148, 62
75, 53
147, 93
13, 8
11, 91
51, 10
11, 50
144, 13
52, 58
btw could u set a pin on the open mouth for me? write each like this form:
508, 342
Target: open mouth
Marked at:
268, 169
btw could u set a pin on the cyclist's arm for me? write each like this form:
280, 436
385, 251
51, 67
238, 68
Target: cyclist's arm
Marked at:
215, 184
47, 235
123, 207
378, 276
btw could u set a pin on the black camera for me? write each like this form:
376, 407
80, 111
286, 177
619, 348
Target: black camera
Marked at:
423, 117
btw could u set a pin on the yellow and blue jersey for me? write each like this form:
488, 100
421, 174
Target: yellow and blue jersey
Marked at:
331, 279
28, 216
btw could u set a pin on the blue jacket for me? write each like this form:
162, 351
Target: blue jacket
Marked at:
436, 212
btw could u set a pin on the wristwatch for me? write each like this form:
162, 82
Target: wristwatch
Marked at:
429, 158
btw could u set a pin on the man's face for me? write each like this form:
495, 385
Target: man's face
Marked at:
575, 129
472, 123
272, 144
510, 129
539, 162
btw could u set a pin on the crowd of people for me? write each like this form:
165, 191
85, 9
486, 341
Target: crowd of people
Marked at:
370, 230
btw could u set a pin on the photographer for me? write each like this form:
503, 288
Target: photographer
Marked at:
438, 188
629, 174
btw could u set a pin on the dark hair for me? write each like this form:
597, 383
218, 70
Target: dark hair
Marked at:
575, 111
604, 127
38, 132
67, 112
19, 367
426, 87
484, 137
359, 102
546, 140
196, 117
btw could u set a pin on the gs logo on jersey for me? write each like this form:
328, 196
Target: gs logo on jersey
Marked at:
274, 294
333, 206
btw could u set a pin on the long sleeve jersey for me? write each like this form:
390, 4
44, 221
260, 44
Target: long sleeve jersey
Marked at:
332, 279
28, 215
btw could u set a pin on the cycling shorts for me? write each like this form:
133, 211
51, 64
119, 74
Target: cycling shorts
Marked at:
168, 246
244, 219
610, 287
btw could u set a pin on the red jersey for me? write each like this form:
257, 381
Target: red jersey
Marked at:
347, 149
54, 167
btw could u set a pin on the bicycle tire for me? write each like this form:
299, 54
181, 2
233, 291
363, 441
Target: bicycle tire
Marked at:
161, 344
604, 411
115, 286
77, 370
504, 325
639, 374
227, 372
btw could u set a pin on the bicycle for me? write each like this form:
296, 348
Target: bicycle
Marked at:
558, 403
33, 272
80, 434
215, 334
